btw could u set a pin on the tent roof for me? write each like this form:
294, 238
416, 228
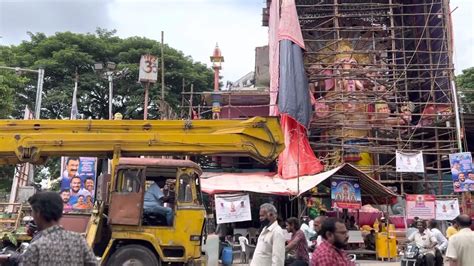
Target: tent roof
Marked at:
270, 183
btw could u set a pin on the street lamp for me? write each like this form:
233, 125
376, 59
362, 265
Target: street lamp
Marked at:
110, 74
39, 85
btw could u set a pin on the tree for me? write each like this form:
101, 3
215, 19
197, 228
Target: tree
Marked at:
64, 53
465, 84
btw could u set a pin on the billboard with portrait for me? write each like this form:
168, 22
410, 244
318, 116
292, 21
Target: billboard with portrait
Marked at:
462, 171
78, 180
345, 193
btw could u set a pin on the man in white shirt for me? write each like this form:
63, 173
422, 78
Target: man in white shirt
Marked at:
317, 224
461, 245
442, 241
270, 249
307, 230
426, 241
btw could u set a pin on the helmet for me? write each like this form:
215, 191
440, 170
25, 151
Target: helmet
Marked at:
32, 225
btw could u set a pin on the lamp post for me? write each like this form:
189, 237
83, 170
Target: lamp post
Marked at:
216, 60
110, 74
39, 85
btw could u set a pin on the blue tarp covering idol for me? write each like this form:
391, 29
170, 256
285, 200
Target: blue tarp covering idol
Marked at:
293, 94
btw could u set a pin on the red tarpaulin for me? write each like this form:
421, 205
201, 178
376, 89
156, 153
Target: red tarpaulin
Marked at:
297, 159
289, 90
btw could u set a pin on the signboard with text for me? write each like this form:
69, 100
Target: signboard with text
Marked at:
232, 208
421, 206
409, 162
447, 210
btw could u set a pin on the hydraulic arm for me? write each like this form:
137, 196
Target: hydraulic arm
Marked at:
35, 140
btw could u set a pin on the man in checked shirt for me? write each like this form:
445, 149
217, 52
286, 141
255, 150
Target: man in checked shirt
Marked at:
330, 253
56, 246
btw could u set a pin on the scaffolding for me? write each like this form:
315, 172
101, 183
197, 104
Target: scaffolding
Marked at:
381, 74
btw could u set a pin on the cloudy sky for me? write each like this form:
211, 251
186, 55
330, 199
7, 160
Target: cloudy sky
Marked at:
193, 26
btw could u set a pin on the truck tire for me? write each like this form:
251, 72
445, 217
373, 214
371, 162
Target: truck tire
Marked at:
133, 255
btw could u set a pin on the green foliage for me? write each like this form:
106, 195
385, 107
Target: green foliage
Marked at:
465, 84
6, 177
52, 168
64, 53
10, 236
61, 54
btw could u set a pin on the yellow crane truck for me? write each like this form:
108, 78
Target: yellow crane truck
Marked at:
118, 230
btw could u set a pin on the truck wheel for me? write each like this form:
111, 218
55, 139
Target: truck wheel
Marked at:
135, 255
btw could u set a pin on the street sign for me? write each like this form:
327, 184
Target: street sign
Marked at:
148, 68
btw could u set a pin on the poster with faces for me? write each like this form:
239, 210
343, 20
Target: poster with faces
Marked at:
462, 171
78, 181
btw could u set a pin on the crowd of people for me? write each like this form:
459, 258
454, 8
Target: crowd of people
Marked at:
324, 242
457, 244
272, 249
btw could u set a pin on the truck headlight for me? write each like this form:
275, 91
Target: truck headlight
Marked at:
195, 238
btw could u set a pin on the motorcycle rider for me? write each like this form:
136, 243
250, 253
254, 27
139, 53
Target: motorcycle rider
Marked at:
427, 242
14, 258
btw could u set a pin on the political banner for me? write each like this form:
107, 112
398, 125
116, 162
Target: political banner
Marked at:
232, 208
345, 193
462, 171
421, 206
409, 162
447, 210
78, 181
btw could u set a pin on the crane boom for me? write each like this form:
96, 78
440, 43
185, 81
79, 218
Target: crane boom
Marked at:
35, 140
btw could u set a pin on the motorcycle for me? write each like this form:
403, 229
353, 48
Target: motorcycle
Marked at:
13, 252
410, 254
413, 254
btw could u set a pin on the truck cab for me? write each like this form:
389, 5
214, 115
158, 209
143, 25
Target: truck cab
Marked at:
121, 232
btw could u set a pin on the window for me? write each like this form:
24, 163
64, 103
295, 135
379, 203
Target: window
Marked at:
199, 198
131, 180
185, 192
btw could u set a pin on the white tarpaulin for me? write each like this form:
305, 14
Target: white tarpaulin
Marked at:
232, 208
447, 209
269, 183
410, 162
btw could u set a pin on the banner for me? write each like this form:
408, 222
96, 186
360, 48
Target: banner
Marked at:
421, 206
345, 193
232, 208
462, 171
78, 181
447, 210
410, 162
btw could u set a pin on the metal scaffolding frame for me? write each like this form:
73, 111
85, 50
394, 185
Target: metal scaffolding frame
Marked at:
380, 72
